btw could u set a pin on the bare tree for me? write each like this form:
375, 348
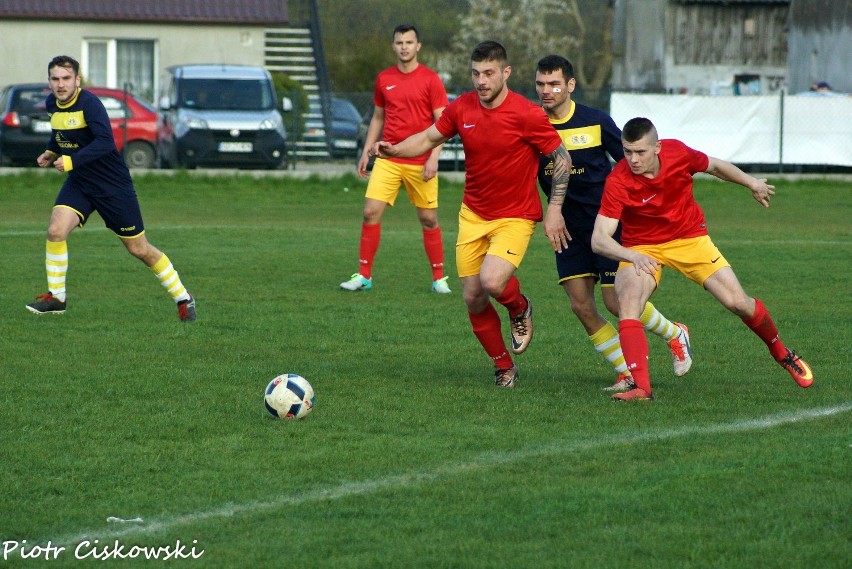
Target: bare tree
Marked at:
531, 29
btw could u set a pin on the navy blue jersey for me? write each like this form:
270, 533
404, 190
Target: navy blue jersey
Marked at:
588, 134
81, 130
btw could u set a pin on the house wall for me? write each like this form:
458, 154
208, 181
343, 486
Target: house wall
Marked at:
697, 47
708, 45
27, 46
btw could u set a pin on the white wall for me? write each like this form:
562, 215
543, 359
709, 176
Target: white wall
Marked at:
748, 130
27, 46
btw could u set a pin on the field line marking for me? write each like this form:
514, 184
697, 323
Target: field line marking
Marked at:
324, 229
483, 461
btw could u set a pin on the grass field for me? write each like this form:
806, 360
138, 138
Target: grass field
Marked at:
411, 458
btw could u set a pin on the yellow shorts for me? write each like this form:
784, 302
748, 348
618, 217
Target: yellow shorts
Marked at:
387, 177
505, 238
695, 258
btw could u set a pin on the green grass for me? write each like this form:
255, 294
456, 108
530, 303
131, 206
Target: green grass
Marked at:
412, 458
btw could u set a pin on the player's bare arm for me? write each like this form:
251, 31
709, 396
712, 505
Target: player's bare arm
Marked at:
414, 145
604, 244
554, 224
430, 169
760, 190
374, 131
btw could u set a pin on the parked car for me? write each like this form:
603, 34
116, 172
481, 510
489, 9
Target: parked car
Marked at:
347, 129
24, 124
134, 126
25, 127
220, 115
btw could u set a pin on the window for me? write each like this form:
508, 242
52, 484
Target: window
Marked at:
118, 63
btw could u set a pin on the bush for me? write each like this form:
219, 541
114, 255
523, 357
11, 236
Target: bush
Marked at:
285, 86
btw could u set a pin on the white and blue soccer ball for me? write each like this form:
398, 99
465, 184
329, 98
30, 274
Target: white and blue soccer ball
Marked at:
289, 396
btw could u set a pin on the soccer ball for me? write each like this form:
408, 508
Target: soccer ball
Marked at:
289, 396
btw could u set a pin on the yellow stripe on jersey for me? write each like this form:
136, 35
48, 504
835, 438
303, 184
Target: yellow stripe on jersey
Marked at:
67, 121
583, 137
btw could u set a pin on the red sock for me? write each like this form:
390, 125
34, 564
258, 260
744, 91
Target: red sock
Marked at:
511, 297
487, 329
434, 245
370, 237
634, 346
761, 324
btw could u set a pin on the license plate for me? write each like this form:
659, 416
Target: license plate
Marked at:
236, 147
41, 126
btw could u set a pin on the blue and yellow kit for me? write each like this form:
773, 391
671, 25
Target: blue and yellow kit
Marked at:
588, 134
98, 179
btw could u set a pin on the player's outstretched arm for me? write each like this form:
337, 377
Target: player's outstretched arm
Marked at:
414, 145
760, 190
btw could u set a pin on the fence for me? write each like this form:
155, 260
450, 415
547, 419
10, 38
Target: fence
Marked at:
789, 131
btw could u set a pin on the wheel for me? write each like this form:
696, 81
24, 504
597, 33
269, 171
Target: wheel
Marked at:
140, 155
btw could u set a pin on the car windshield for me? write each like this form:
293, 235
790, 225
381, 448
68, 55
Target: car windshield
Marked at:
343, 110
30, 101
226, 95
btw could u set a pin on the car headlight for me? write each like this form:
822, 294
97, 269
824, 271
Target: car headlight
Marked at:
270, 124
196, 123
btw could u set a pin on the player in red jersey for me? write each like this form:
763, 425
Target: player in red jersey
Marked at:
408, 97
503, 135
650, 192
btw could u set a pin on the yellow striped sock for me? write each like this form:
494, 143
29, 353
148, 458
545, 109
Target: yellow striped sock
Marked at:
607, 343
56, 264
169, 278
654, 321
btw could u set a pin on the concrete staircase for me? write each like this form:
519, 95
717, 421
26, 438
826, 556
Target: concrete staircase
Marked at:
290, 50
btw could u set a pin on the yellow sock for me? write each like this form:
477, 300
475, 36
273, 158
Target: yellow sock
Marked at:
654, 321
607, 343
169, 278
56, 263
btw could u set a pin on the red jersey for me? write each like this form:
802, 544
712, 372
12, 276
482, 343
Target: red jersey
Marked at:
661, 209
502, 147
409, 101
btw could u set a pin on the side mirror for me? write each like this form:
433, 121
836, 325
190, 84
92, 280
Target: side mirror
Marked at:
165, 103
286, 104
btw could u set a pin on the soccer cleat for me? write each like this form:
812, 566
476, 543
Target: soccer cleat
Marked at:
522, 329
634, 394
798, 368
624, 383
357, 282
506, 377
186, 309
681, 351
47, 304
440, 286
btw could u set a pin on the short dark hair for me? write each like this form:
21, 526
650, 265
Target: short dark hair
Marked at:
490, 51
635, 129
551, 63
402, 28
64, 61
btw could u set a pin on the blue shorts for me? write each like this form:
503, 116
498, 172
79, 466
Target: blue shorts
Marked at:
119, 208
578, 260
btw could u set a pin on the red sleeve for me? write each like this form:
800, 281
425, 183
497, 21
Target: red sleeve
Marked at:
611, 205
378, 95
438, 95
446, 123
540, 132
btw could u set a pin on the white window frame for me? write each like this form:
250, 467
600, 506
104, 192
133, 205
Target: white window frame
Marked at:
112, 61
